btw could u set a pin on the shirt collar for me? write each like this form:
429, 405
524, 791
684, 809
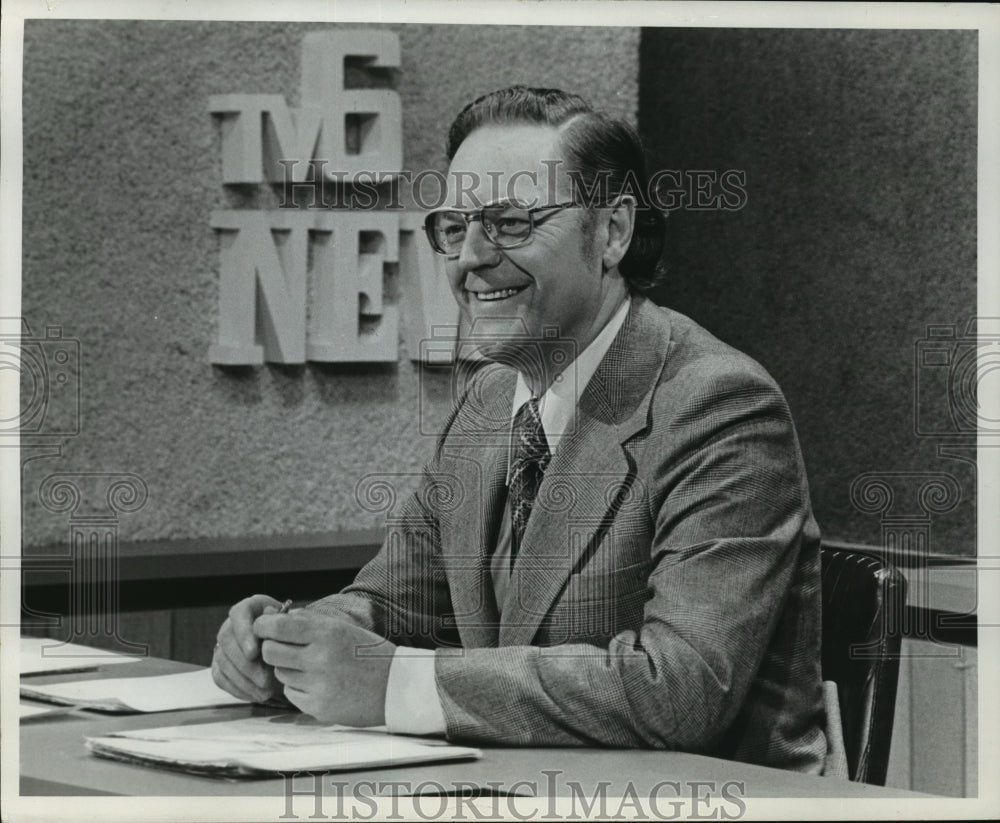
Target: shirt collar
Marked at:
558, 404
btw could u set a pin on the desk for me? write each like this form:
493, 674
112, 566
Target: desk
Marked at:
55, 762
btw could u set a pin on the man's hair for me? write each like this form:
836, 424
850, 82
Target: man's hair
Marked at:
605, 158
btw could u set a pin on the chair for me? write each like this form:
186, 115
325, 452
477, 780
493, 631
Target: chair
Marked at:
863, 602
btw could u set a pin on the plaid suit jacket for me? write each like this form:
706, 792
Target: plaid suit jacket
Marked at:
667, 590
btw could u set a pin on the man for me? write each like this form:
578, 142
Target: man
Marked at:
612, 544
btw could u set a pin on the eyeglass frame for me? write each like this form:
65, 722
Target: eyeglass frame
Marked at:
472, 215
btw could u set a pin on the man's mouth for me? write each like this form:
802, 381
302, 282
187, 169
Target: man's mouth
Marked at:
497, 294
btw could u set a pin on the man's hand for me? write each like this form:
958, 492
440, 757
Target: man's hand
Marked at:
331, 669
237, 666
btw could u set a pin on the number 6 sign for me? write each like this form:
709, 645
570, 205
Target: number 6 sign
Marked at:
348, 130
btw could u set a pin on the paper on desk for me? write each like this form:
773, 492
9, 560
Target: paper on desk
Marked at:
43, 655
261, 746
28, 711
162, 693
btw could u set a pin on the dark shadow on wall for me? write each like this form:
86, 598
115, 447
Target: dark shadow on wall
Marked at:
858, 231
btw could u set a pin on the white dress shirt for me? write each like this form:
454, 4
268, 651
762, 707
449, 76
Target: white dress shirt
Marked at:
412, 705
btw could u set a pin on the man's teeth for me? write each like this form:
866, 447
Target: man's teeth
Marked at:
499, 294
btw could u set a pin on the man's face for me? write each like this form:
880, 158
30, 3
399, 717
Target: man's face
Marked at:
554, 281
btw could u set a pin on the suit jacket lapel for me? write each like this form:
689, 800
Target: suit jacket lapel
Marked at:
474, 459
578, 496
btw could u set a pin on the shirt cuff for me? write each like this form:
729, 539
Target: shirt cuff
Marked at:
412, 705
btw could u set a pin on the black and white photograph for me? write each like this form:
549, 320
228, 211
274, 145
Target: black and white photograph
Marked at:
542, 410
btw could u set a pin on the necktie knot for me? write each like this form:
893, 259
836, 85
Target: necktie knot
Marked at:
529, 440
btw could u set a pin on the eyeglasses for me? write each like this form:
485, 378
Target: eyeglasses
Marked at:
506, 225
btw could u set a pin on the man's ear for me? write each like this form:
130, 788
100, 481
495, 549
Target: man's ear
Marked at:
620, 225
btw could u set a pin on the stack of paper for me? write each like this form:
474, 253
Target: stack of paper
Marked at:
42, 655
163, 693
263, 746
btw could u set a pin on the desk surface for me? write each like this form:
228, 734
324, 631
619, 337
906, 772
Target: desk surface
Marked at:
55, 762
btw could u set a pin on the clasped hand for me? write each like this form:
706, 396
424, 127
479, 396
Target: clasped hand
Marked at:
326, 666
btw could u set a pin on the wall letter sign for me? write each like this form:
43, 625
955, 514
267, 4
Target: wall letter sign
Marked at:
316, 284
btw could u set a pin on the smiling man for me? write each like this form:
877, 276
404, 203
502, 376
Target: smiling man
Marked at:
524, 264
612, 543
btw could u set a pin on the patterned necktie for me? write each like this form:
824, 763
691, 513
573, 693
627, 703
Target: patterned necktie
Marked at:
529, 458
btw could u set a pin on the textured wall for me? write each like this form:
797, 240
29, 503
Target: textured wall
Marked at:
859, 231
121, 171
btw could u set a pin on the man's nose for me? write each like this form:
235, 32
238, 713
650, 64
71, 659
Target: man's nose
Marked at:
477, 251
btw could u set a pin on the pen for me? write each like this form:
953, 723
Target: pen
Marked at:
285, 606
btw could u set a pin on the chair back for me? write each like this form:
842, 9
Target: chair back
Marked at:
863, 602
